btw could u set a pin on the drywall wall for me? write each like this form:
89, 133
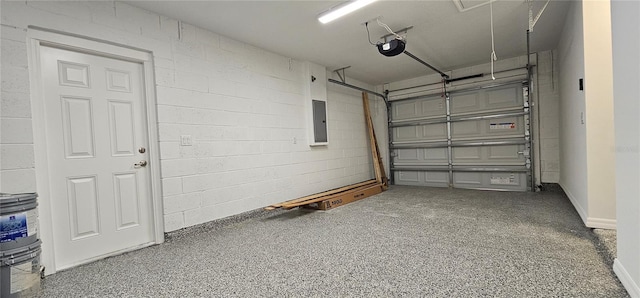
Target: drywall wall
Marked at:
598, 72
586, 130
573, 157
242, 106
625, 21
546, 95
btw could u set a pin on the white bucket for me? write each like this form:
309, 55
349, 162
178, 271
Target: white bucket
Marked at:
20, 271
18, 220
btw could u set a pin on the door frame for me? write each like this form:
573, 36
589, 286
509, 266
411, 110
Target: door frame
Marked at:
36, 38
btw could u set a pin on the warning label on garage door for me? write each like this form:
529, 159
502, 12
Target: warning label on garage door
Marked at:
504, 125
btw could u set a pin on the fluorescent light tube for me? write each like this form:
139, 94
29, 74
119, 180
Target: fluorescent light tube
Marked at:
342, 10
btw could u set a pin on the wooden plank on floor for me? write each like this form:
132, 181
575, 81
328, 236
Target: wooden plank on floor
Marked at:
346, 198
322, 194
298, 204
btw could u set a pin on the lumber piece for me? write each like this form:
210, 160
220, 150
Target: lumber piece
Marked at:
372, 137
385, 180
347, 197
307, 202
322, 194
321, 198
327, 193
378, 166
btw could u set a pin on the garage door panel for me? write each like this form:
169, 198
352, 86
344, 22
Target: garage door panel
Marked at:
419, 108
405, 133
465, 102
489, 155
467, 178
405, 110
487, 180
436, 155
504, 126
408, 176
422, 178
465, 129
407, 154
433, 107
506, 179
433, 178
488, 128
466, 154
506, 153
484, 136
434, 131
503, 98
430, 132
487, 99
423, 156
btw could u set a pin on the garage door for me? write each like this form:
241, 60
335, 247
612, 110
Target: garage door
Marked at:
477, 139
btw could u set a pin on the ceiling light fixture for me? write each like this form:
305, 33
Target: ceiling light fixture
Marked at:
342, 10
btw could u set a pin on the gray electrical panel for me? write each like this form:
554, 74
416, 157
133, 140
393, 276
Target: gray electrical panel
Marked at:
319, 121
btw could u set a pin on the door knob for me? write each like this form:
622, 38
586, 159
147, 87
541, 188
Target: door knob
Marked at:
142, 163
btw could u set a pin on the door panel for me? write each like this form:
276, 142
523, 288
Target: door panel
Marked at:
95, 121
118, 80
78, 133
83, 205
121, 121
73, 74
126, 199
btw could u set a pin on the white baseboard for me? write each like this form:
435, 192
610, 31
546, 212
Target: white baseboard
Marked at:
626, 280
578, 207
590, 222
601, 223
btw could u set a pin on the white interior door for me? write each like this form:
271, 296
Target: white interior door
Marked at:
95, 130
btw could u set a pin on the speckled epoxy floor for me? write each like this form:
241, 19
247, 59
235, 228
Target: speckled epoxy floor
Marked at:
408, 241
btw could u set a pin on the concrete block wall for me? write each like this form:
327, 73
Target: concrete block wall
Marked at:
547, 118
241, 105
17, 170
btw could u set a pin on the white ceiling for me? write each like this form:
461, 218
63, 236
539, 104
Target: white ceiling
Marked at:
441, 35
